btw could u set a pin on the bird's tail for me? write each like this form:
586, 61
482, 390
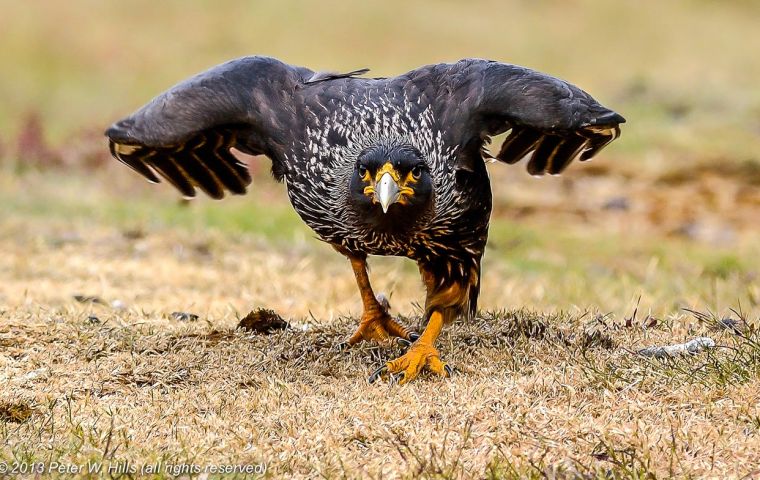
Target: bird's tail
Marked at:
474, 292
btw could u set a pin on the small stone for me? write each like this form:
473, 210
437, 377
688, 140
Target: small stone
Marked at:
617, 203
733, 325
691, 347
118, 305
184, 316
382, 299
89, 299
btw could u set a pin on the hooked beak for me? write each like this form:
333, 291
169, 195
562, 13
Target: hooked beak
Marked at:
386, 191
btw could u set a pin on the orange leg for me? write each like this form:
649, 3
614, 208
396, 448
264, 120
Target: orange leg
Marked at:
376, 324
444, 301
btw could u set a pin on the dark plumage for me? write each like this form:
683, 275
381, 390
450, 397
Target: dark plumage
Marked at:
384, 166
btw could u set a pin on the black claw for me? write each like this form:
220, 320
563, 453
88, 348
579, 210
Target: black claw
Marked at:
403, 342
377, 374
414, 336
449, 370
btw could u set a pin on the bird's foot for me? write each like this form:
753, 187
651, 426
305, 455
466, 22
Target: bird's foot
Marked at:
380, 327
410, 364
377, 324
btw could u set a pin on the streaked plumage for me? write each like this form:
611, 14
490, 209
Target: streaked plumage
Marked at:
319, 129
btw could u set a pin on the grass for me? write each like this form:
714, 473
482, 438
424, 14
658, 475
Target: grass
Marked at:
598, 263
548, 383
536, 393
119, 304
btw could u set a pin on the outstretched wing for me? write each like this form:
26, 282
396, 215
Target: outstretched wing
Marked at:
549, 117
185, 134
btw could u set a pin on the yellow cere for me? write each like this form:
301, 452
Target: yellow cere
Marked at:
404, 190
387, 168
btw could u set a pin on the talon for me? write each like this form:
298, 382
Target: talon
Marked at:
449, 370
377, 325
420, 356
377, 374
403, 342
413, 336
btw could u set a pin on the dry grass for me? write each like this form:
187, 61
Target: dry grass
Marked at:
551, 386
535, 393
119, 305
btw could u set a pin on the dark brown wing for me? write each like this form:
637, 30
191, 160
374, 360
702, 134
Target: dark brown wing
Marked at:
185, 134
551, 120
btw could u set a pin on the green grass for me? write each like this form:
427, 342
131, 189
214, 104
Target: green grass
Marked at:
565, 266
77, 198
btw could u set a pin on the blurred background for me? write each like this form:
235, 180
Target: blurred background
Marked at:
670, 211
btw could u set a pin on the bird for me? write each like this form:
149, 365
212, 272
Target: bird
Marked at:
389, 166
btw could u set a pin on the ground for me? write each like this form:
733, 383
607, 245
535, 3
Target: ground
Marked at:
548, 382
120, 303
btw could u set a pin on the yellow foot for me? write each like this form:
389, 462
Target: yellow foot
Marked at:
410, 364
380, 327
377, 325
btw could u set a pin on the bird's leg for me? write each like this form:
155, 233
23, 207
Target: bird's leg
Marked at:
376, 323
446, 299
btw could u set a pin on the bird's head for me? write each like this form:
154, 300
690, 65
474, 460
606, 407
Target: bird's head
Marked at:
391, 185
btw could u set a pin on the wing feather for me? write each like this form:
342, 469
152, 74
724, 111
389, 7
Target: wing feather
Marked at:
555, 120
566, 152
134, 158
185, 134
544, 150
171, 171
518, 144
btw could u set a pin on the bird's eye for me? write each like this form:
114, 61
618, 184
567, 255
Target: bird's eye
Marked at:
417, 171
362, 170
